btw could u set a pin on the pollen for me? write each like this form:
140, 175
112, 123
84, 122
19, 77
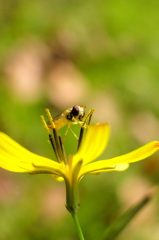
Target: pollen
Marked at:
50, 118
45, 124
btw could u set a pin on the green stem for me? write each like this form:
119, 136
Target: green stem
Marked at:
78, 227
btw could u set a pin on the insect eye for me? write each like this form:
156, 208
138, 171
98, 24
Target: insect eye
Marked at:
75, 110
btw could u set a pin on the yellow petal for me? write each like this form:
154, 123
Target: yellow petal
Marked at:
118, 167
15, 158
93, 143
58, 178
89, 169
121, 167
134, 156
138, 154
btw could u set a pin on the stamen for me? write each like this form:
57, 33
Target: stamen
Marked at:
55, 140
88, 117
84, 125
50, 117
80, 138
45, 124
58, 146
63, 150
90, 113
53, 146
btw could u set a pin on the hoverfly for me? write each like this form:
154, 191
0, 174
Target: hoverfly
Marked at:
70, 116
74, 115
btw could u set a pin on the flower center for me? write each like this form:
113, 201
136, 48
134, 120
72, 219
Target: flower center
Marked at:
55, 138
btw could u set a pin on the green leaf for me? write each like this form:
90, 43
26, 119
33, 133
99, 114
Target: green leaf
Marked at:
119, 225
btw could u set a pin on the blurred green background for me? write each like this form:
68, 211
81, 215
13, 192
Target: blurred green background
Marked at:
104, 55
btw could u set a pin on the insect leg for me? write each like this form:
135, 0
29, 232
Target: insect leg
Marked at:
68, 127
73, 133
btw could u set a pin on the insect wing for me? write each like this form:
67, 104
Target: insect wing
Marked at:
60, 120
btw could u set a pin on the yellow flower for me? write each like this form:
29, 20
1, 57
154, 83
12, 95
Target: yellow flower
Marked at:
14, 157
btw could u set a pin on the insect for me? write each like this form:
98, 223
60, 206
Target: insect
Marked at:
74, 115
70, 116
